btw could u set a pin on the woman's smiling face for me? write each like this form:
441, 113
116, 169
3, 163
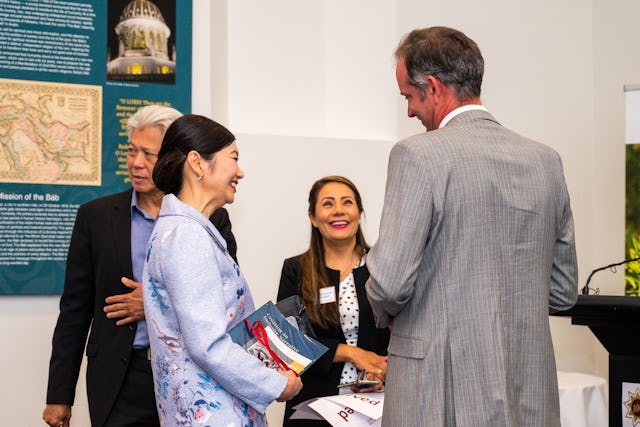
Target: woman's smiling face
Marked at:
224, 174
336, 212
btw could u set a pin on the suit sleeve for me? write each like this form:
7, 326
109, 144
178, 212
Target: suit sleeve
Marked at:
404, 228
220, 219
564, 274
76, 312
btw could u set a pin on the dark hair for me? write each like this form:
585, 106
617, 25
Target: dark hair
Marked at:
312, 262
189, 132
446, 54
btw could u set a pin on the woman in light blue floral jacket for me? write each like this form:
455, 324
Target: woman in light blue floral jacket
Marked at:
194, 292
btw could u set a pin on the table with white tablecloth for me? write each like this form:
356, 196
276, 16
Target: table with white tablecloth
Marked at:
583, 400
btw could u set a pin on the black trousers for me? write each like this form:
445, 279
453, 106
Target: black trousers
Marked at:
135, 405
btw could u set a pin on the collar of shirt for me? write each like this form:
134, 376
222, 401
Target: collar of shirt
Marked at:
459, 110
135, 207
141, 226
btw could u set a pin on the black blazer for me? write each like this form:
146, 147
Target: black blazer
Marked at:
99, 255
323, 377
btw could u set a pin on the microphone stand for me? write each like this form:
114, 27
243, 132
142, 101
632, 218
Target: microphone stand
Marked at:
585, 289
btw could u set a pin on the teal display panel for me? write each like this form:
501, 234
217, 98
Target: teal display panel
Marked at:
71, 73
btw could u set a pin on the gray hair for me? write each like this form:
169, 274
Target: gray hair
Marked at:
446, 54
152, 115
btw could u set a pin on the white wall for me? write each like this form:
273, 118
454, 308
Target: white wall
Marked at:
309, 89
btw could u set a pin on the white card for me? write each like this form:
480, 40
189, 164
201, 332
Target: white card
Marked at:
369, 404
327, 294
341, 416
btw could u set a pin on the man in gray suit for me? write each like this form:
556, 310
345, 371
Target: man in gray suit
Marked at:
476, 244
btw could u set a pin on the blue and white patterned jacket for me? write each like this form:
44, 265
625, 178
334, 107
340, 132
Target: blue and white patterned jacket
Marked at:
193, 294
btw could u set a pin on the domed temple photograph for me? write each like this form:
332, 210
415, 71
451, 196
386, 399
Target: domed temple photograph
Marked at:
142, 49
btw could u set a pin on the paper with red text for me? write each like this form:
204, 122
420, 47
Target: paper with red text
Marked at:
369, 404
355, 409
341, 416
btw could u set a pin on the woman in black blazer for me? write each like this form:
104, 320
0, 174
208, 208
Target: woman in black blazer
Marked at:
330, 277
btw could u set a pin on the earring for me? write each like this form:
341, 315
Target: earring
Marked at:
199, 178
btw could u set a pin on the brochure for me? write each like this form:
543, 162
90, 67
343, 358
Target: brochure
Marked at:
271, 338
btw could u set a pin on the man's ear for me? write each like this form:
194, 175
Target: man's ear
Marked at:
432, 82
436, 88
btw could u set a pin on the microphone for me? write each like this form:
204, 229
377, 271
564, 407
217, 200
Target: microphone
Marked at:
585, 289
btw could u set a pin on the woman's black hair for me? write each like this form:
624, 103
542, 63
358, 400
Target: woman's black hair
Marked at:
189, 132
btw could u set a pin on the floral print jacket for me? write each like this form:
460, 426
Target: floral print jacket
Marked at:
193, 294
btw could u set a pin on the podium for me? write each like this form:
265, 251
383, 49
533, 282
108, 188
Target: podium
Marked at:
614, 320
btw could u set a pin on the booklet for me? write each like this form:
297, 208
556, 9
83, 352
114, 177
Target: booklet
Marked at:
271, 338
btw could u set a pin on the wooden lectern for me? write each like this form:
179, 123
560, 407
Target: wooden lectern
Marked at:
615, 321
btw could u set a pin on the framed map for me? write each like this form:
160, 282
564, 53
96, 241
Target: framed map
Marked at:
50, 133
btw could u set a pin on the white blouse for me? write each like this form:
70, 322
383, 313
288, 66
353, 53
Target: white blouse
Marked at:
349, 321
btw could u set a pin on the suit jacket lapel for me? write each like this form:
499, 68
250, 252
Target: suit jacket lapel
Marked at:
121, 232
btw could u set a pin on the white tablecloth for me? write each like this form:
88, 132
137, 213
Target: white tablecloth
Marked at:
583, 400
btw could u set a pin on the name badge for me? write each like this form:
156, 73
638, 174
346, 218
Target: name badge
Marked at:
327, 294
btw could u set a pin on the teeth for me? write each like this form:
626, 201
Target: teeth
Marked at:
339, 223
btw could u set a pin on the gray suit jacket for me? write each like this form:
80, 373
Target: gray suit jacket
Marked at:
476, 243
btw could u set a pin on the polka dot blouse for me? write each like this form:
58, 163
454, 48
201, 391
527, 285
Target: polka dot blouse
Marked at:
349, 321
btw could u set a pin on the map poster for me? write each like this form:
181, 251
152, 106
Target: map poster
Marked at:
52, 133
71, 73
